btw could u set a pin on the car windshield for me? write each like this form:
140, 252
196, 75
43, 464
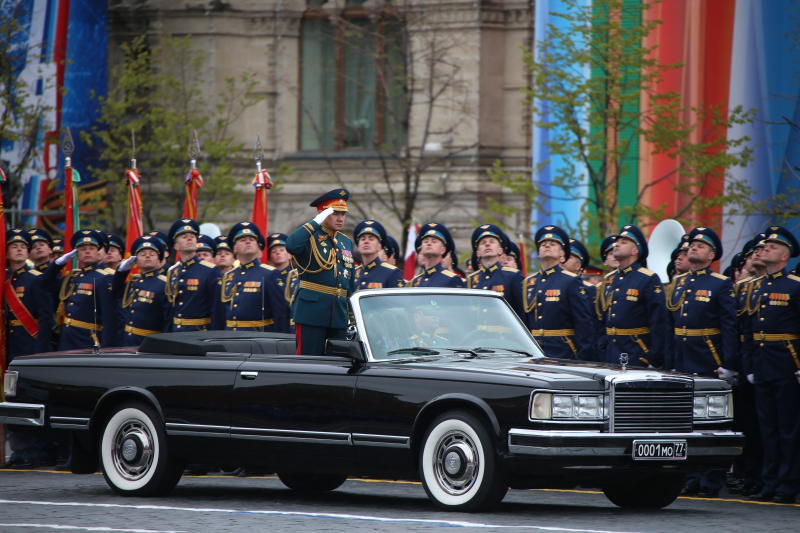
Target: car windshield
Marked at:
418, 325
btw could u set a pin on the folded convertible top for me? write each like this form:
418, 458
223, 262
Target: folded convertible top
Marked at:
203, 342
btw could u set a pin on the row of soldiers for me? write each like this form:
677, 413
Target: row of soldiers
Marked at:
744, 329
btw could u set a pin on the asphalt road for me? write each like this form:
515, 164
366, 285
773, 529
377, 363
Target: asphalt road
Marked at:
46, 501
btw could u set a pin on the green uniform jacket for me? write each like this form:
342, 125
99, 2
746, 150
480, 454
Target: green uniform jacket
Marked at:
326, 272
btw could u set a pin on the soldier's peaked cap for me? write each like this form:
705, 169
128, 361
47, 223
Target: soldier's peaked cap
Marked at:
180, 226
148, 242
88, 236
18, 235
577, 249
553, 233
783, 236
633, 233
708, 236
245, 228
487, 230
335, 199
370, 227
439, 231
206, 243
39, 234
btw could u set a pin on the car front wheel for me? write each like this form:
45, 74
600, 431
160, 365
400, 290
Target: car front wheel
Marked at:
134, 455
652, 492
458, 464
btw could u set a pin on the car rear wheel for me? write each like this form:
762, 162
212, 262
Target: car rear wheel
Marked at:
652, 492
458, 464
134, 455
311, 482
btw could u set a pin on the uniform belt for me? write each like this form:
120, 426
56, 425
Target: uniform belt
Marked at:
552, 332
628, 331
71, 322
686, 332
316, 287
191, 321
139, 331
775, 336
248, 323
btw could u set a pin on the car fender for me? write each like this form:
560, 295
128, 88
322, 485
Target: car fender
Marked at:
119, 394
452, 401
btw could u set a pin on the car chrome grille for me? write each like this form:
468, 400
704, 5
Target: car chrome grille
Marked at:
652, 407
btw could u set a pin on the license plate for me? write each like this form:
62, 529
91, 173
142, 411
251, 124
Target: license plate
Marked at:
659, 450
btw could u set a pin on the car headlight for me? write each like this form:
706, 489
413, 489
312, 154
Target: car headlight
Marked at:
716, 405
10, 383
553, 406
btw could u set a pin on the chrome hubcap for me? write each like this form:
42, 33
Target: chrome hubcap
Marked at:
132, 451
456, 463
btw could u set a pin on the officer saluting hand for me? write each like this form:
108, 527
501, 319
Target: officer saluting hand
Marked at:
324, 257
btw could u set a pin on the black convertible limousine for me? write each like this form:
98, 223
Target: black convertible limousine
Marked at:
442, 385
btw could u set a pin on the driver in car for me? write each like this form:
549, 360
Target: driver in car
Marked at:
428, 329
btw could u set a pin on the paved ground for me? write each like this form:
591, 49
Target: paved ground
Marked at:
44, 501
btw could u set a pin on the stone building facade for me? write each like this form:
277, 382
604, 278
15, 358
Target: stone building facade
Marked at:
377, 96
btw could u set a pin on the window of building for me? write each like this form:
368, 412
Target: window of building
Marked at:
353, 79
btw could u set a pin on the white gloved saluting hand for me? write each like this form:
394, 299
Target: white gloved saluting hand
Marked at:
724, 373
127, 264
322, 215
61, 261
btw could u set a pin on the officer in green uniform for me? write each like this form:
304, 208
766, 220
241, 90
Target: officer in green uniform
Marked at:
324, 257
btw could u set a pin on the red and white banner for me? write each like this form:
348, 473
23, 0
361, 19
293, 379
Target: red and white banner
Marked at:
410, 258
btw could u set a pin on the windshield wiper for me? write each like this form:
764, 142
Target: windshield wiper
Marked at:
495, 349
472, 353
416, 350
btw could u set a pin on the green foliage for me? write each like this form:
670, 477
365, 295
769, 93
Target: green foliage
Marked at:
21, 115
596, 123
160, 94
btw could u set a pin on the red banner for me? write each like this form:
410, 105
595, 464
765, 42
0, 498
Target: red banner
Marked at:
69, 209
194, 182
135, 228
262, 184
3, 347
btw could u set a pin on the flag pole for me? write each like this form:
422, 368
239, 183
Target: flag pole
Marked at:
262, 184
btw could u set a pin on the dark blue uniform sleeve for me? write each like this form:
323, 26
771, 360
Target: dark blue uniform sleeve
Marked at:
581, 320
514, 294
212, 288
456, 282
728, 326
106, 312
276, 302
44, 315
659, 322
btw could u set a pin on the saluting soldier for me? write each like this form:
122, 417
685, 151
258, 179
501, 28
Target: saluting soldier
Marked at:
192, 286
487, 243
30, 322
142, 301
374, 273
557, 307
772, 364
634, 311
287, 279
433, 243
249, 292
86, 303
324, 258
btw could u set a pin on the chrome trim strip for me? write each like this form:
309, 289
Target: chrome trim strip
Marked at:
290, 435
197, 430
21, 409
69, 422
390, 441
596, 434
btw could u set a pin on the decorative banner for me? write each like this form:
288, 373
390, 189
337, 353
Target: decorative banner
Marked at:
262, 184
3, 347
410, 258
134, 228
194, 182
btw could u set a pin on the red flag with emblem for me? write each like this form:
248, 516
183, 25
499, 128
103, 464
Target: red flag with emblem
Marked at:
194, 182
135, 228
262, 183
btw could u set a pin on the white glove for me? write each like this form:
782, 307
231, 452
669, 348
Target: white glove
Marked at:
797, 374
751, 378
724, 373
127, 264
61, 261
321, 216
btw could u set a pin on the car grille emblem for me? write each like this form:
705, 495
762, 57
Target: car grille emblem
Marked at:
623, 361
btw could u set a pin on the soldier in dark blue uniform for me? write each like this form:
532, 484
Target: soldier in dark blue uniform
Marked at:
557, 307
511, 254
606, 247
487, 243
143, 304
249, 292
223, 254
160, 235
30, 318
41, 248
703, 307
206, 247
577, 263
374, 273
115, 249
634, 312
192, 284
433, 243
85, 296
324, 258
391, 250
771, 361
287, 279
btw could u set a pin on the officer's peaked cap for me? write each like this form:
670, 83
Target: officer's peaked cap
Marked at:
370, 227
553, 233
245, 228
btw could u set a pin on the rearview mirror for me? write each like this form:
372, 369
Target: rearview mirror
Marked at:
345, 348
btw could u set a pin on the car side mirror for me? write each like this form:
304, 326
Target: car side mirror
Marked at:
345, 348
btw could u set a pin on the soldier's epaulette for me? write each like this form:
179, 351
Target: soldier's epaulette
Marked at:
388, 265
339, 233
207, 264
587, 284
35, 272
510, 269
268, 267
748, 279
646, 271
680, 276
610, 274
793, 277
449, 273
568, 273
162, 277
107, 271
718, 275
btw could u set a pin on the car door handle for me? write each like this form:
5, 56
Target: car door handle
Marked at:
249, 375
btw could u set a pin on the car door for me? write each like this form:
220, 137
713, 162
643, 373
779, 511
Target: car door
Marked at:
290, 409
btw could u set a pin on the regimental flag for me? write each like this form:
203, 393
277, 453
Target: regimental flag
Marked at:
134, 229
410, 258
262, 183
194, 182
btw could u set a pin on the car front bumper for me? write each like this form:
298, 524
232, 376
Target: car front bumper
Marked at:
21, 414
